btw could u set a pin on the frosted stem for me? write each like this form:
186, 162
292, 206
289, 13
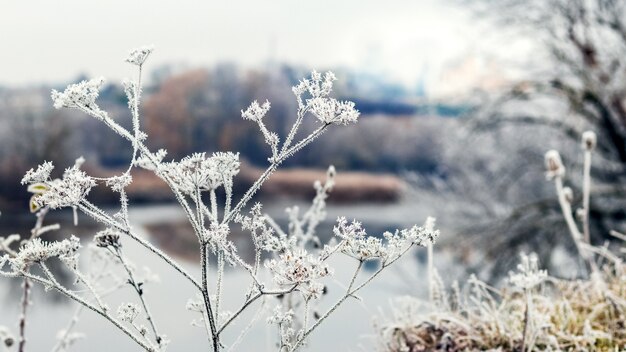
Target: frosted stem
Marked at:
22, 323
586, 192
52, 282
139, 291
101, 217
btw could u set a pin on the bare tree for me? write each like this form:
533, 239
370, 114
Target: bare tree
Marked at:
575, 82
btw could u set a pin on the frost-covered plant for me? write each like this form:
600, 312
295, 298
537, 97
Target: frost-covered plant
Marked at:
297, 259
533, 311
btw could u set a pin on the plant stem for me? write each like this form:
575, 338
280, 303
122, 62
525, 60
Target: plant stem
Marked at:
52, 282
203, 265
586, 192
22, 323
91, 289
139, 291
91, 210
571, 223
220, 283
250, 301
567, 211
526, 319
207, 299
66, 332
270, 169
349, 292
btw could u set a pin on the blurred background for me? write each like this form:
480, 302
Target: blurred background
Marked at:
459, 101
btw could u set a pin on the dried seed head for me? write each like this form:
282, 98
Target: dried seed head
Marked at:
9, 341
589, 140
127, 312
108, 238
554, 165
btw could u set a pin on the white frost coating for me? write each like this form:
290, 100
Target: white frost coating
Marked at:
528, 274
298, 261
79, 95
554, 165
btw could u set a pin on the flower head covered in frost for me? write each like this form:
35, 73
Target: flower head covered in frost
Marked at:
108, 238
81, 95
284, 320
358, 244
227, 165
299, 267
198, 171
128, 312
528, 274
327, 110
263, 234
68, 191
256, 112
38, 251
58, 193
139, 55
363, 247
217, 237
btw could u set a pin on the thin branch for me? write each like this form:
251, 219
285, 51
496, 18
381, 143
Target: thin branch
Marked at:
91, 210
586, 191
52, 283
22, 323
139, 290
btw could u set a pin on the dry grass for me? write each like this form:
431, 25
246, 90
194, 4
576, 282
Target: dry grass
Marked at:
565, 315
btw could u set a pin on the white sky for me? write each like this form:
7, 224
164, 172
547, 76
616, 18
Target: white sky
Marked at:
53, 41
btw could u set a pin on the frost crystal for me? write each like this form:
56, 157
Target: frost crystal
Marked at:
327, 110
79, 95
256, 112
118, 183
38, 251
216, 237
226, 164
144, 161
333, 111
42, 174
315, 86
139, 55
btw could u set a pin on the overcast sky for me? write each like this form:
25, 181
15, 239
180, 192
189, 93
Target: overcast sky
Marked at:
53, 41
